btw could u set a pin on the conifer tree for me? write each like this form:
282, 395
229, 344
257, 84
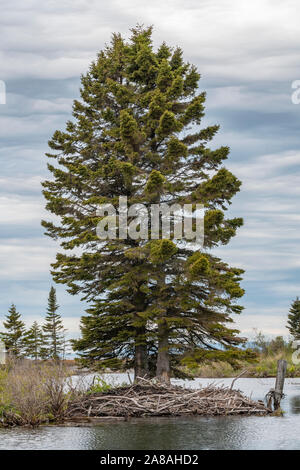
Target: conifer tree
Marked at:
34, 342
53, 328
293, 323
136, 133
14, 336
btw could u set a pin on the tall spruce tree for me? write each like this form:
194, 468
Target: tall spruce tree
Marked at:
53, 328
14, 336
293, 323
34, 343
136, 133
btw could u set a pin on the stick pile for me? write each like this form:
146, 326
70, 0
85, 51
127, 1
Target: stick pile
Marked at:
152, 399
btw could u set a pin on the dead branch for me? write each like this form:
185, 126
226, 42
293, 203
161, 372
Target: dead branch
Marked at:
155, 399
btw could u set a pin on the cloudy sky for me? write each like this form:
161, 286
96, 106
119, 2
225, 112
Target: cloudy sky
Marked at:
248, 54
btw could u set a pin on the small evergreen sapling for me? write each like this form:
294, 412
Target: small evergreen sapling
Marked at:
14, 336
53, 329
293, 323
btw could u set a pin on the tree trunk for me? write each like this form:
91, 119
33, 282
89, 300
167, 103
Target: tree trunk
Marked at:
141, 367
141, 362
163, 359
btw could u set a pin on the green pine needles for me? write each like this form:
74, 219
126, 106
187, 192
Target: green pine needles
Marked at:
136, 132
53, 328
13, 336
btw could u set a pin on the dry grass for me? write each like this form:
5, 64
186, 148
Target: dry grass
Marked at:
266, 366
32, 394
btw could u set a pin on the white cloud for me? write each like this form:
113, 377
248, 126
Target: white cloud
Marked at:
24, 105
17, 185
17, 127
229, 38
244, 98
269, 324
284, 288
16, 210
70, 323
26, 259
264, 262
266, 165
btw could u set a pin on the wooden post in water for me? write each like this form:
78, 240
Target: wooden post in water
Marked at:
278, 392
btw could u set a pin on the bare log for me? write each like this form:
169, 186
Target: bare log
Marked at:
278, 392
275, 395
237, 377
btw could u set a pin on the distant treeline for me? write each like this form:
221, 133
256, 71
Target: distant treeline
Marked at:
38, 342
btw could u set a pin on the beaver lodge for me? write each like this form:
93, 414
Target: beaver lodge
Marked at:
151, 399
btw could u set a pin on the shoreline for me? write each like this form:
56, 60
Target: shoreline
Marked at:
193, 377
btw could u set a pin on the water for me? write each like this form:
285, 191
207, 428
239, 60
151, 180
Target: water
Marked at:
195, 433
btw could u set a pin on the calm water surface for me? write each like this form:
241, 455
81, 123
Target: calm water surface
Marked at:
194, 433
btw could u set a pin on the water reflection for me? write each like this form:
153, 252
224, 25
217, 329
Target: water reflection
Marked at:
295, 405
